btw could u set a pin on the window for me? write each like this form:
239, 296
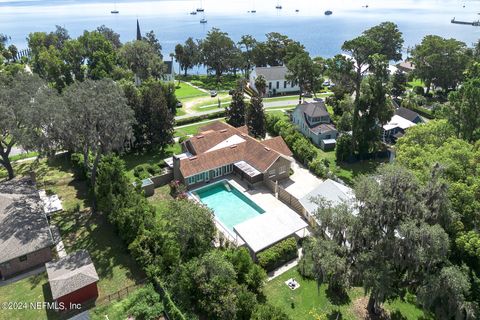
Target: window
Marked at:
269, 85
278, 84
191, 180
284, 84
328, 136
199, 177
271, 173
23, 258
282, 169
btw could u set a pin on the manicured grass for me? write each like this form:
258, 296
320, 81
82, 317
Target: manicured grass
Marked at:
209, 82
310, 301
282, 98
29, 290
193, 128
152, 157
184, 90
349, 172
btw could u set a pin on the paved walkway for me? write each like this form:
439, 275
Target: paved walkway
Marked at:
58, 242
22, 276
289, 265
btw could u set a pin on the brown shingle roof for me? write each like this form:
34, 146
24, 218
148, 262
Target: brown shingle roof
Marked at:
256, 153
279, 145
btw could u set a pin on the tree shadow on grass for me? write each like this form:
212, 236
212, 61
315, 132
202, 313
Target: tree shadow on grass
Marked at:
397, 315
337, 298
335, 315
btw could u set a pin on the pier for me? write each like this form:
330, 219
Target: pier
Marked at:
474, 23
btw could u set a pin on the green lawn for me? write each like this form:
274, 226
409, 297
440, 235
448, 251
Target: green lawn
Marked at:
309, 301
29, 290
161, 199
23, 156
193, 128
184, 90
151, 157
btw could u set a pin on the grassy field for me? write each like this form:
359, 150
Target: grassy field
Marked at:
309, 301
415, 83
152, 157
29, 290
193, 128
184, 90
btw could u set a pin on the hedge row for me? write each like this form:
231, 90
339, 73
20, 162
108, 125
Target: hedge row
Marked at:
278, 254
207, 116
144, 171
423, 112
171, 309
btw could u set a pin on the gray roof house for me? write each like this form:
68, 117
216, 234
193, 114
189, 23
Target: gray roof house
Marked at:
331, 191
277, 83
72, 273
169, 72
408, 114
25, 236
313, 120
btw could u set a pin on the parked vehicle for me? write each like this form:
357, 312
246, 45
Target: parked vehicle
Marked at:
213, 93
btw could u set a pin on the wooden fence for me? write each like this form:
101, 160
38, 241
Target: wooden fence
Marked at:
284, 196
120, 294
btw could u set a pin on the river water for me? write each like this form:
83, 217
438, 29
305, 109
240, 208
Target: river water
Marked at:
171, 21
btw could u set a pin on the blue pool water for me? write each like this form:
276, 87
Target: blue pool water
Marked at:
230, 207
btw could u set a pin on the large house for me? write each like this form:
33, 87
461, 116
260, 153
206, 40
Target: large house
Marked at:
313, 120
25, 236
276, 78
402, 119
220, 149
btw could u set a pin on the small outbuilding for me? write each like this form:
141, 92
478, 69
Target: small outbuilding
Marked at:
73, 279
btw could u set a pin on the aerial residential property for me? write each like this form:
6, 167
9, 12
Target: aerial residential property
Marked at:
397, 126
313, 120
220, 149
276, 78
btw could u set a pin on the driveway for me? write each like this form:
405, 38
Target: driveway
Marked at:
301, 181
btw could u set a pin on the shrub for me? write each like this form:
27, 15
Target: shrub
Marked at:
182, 139
141, 171
208, 116
419, 90
343, 149
278, 254
177, 189
318, 167
145, 304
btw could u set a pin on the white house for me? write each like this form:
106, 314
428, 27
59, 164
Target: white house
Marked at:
277, 84
313, 120
400, 122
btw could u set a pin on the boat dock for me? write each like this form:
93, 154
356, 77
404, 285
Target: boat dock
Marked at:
474, 23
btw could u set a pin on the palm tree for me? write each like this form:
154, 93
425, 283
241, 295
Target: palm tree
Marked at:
261, 85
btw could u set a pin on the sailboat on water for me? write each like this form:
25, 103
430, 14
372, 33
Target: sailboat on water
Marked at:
200, 9
253, 5
279, 6
114, 11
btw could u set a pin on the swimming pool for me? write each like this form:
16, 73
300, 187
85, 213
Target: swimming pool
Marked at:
231, 207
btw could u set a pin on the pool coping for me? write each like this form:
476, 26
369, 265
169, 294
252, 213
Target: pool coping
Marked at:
230, 234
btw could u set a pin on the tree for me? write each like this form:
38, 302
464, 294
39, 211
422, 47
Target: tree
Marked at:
304, 72
143, 59
372, 109
235, 112
97, 120
187, 55
261, 85
17, 103
390, 39
110, 35
217, 51
208, 285
276, 48
100, 54
341, 71
399, 83
343, 149
464, 108
73, 53
192, 226
255, 115
432, 56
247, 44
155, 117
447, 293
395, 251
152, 40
